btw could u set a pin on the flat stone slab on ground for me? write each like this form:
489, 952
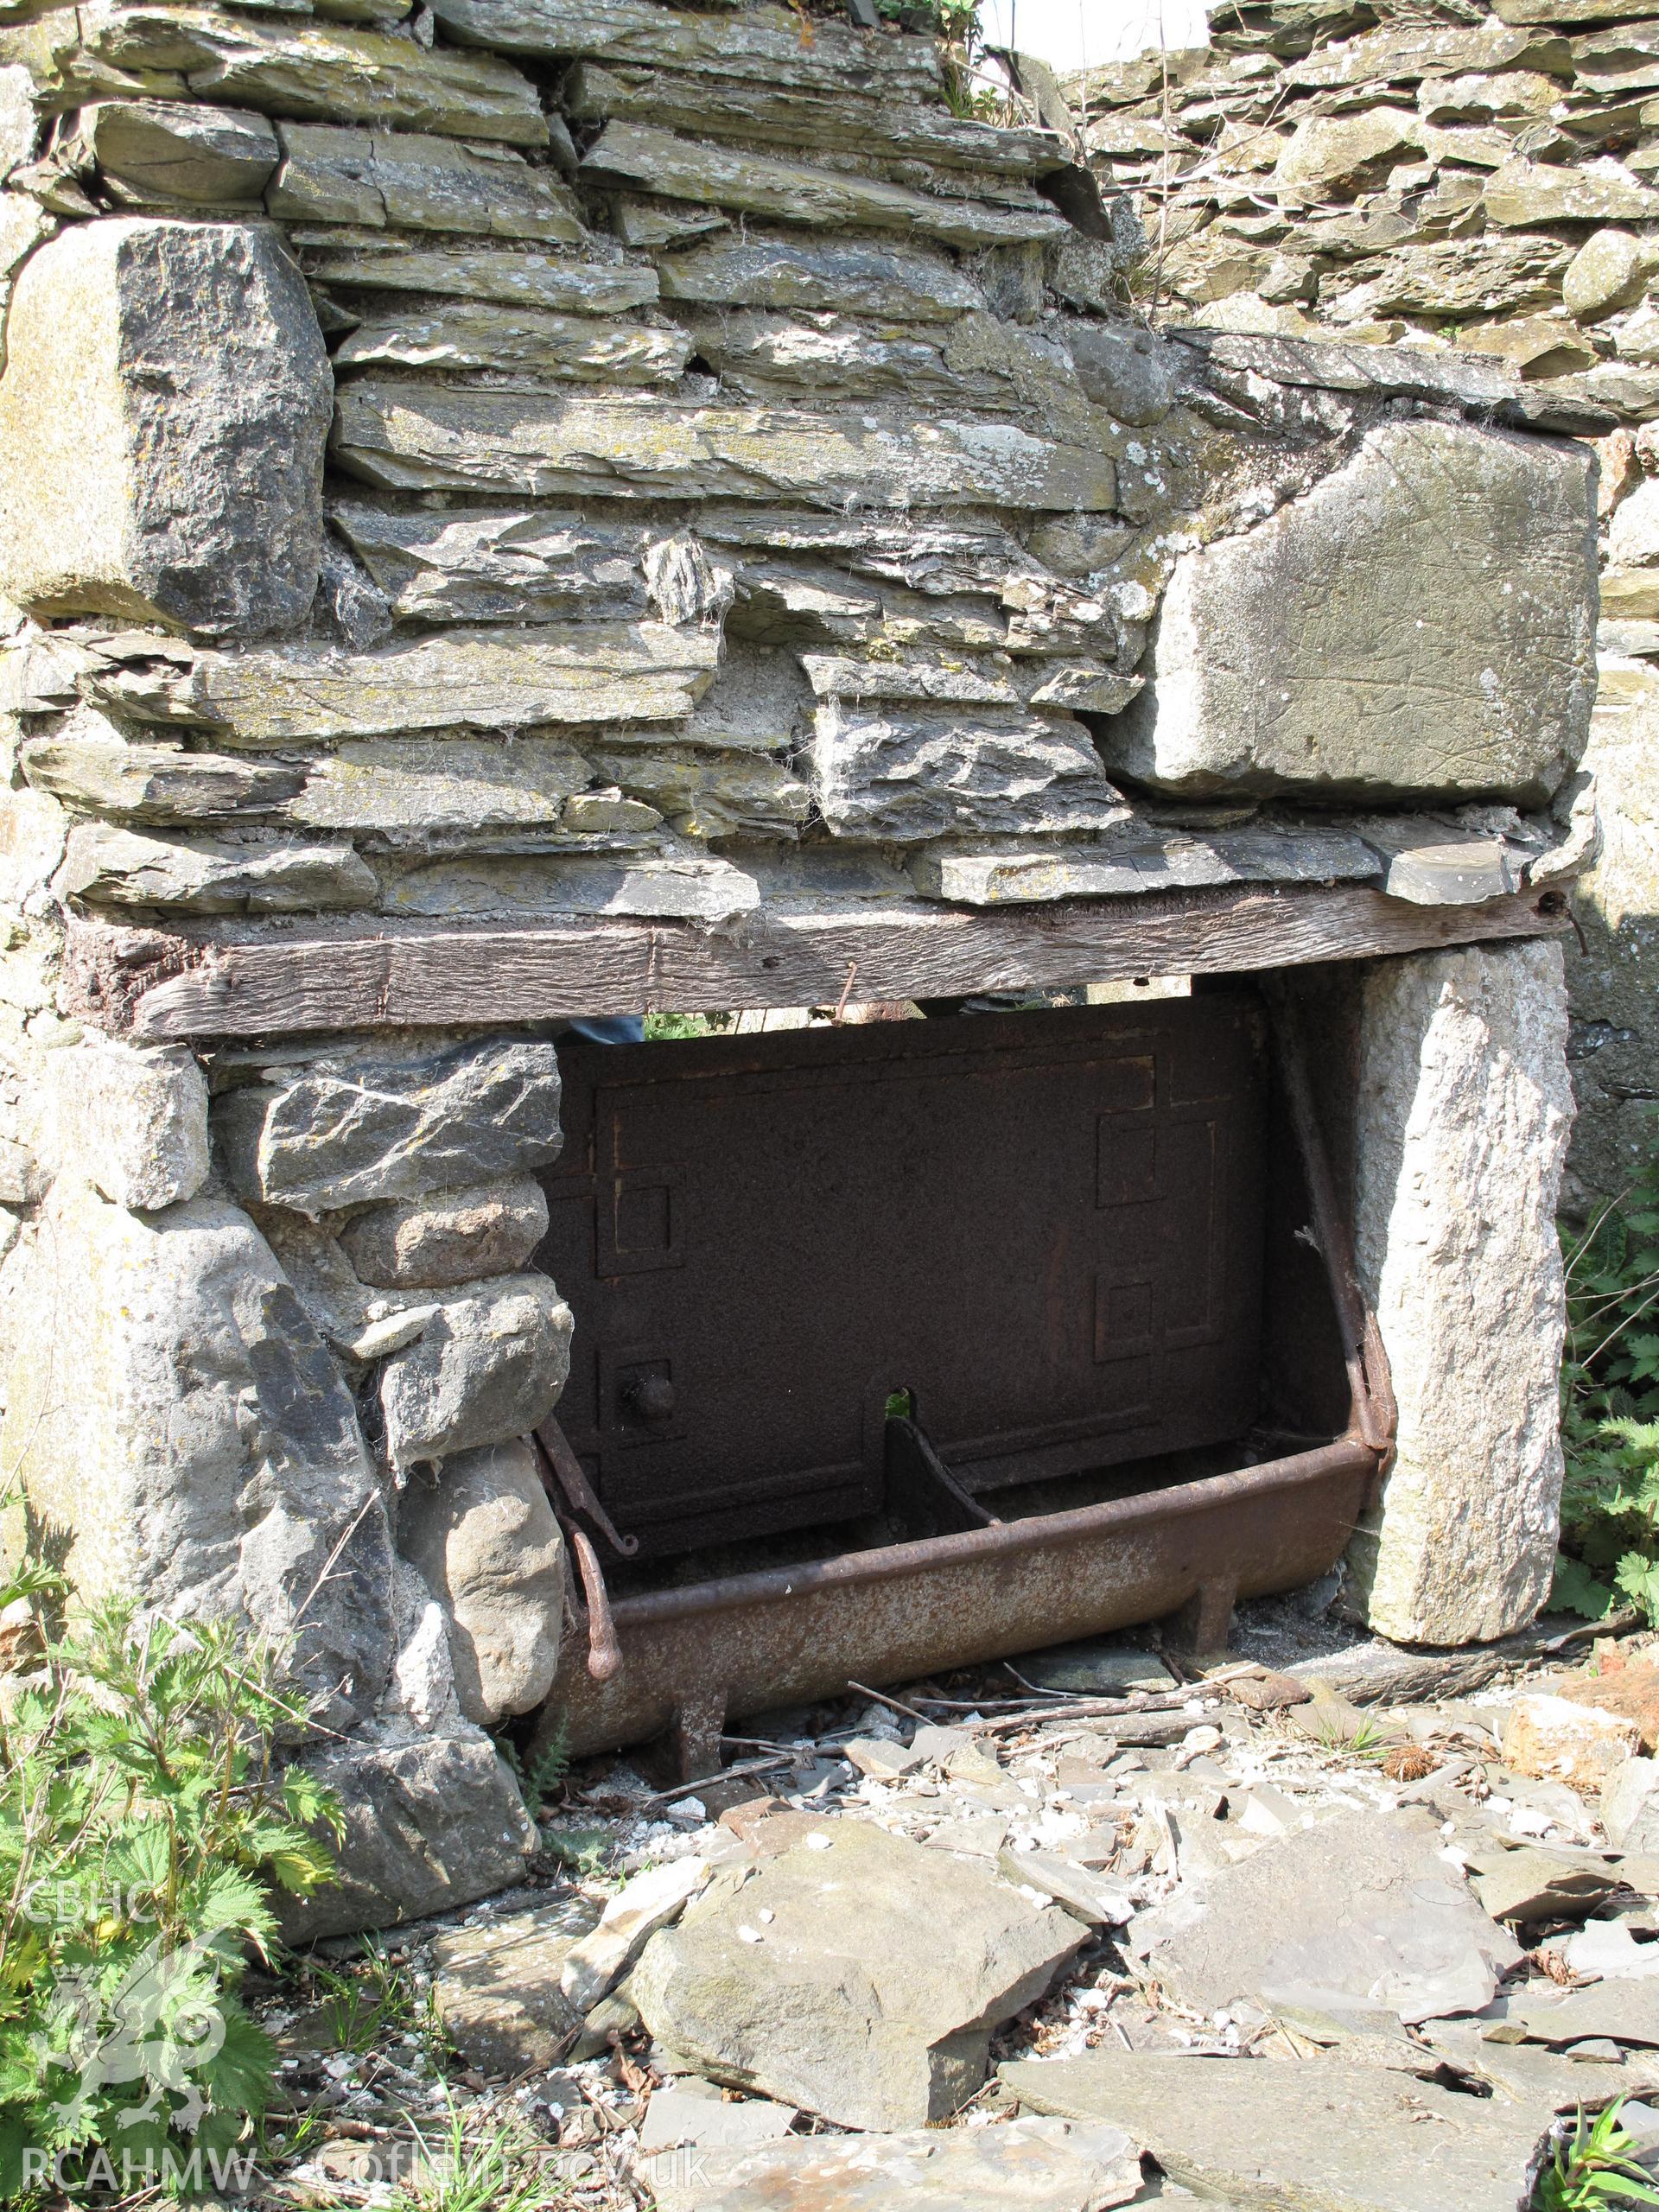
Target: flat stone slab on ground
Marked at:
861, 1980
1023, 2165
1313, 2135
497, 1989
1627, 2011
690, 2111
1359, 1912
1095, 1666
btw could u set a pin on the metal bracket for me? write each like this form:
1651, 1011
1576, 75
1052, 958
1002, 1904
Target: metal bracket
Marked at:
921, 1490
581, 1500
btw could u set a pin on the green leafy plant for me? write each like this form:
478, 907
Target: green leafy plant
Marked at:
540, 1778
143, 1823
458, 2174
1610, 1409
1594, 2169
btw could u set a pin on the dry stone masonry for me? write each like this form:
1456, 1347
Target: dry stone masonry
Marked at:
492, 466
1478, 181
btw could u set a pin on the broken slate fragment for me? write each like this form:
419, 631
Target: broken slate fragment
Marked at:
1356, 1912
1025, 2165
1077, 1890
846, 2001
695, 2111
1522, 1885
1312, 2135
633, 1915
1102, 1668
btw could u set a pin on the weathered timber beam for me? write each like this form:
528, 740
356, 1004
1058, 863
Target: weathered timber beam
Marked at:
154, 986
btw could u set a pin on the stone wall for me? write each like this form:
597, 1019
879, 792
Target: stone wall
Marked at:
500, 464
1479, 176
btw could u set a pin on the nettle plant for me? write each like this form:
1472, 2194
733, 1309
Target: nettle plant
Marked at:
1610, 1409
144, 1826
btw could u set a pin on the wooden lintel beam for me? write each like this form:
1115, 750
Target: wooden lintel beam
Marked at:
156, 986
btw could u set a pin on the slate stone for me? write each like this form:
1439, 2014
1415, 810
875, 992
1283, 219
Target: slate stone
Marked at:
417, 789
259, 873
1334, 155
483, 1538
1360, 1910
414, 436
763, 43
846, 2004
492, 564
480, 335
429, 1825
185, 487
190, 1434
1531, 1884
691, 2110
1280, 664
685, 882
1625, 2011
704, 793
479, 679
1630, 1806
531, 280
1076, 1889
906, 774
315, 71
1310, 2135
489, 1367
497, 1989
418, 182
166, 153
1039, 2166
449, 1236
391, 1121
1537, 192
869, 276
91, 765
1094, 1669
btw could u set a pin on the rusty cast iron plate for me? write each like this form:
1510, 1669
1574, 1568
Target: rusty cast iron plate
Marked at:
1046, 1227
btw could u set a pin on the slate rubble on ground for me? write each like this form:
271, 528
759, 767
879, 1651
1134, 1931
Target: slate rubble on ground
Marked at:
1423, 1953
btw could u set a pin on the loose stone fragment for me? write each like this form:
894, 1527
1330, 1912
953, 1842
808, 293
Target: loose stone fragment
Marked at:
420, 183
907, 775
1360, 1910
846, 2005
261, 872
1086, 1896
160, 153
1312, 2135
692, 2111
636, 154
1630, 1806
449, 1236
1623, 2013
418, 437
392, 1123
478, 679
1608, 272
485, 1543
869, 276
497, 1990
1039, 2166
185, 485
172, 1409
429, 1825
1557, 1740
490, 1367
650, 1901
1524, 1886
1282, 664
468, 335
131, 1122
